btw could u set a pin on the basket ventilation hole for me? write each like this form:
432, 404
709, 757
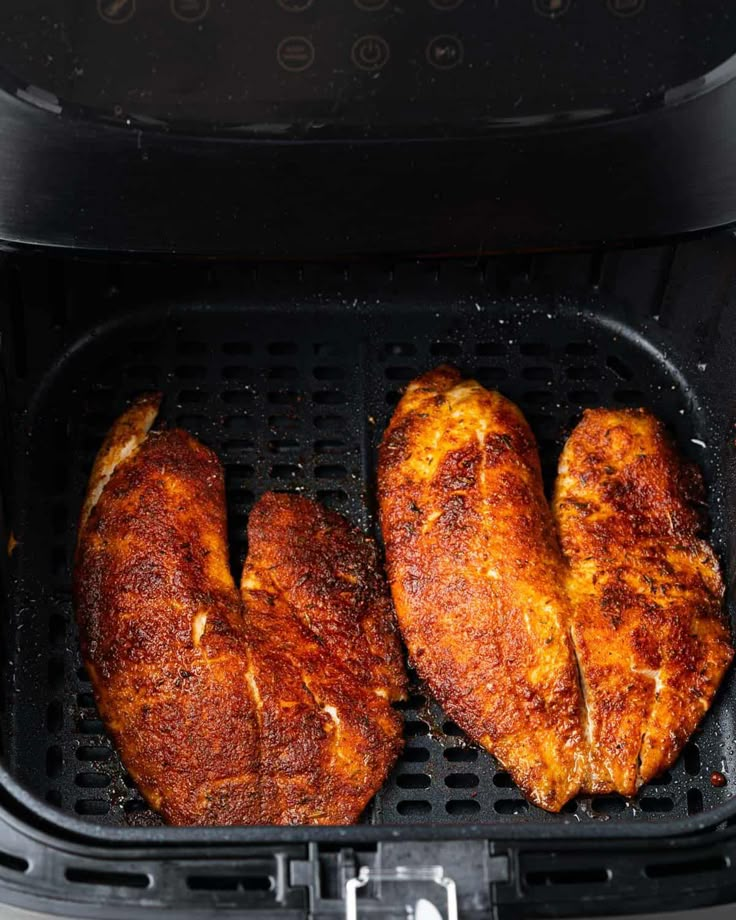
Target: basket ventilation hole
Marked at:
415, 727
490, 375
92, 780
445, 349
461, 780
490, 349
692, 759
108, 878
14, 863
399, 349
413, 807
282, 348
413, 781
462, 807
503, 780
652, 803
610, 805
96, 807
511, 806
569, 877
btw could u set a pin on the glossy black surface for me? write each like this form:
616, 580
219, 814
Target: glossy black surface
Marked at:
67, 181
363, 66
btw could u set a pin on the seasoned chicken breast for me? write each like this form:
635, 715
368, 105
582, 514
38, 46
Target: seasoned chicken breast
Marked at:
584, 670
268, 705
325, 662
477, 578
645, 591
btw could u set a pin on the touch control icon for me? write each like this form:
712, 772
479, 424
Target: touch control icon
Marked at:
445, 4
295, 53
116, 12
626, 8
552, 8
371, 6
444, 52
370, 52
190, 10
295, 6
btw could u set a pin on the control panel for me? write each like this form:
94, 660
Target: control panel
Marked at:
365, 66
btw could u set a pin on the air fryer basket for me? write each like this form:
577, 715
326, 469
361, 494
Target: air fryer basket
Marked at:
290, 373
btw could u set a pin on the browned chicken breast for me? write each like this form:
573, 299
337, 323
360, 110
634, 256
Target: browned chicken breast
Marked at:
505, 629
645, 591
325, 662
269, 705
477, 578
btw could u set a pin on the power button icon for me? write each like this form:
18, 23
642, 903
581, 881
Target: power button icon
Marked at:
370, 52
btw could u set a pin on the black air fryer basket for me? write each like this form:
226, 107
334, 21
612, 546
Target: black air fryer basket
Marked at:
290, 373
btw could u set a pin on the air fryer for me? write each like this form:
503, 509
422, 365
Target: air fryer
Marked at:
277, 214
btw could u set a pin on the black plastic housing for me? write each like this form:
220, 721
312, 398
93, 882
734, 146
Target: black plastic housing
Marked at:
72, 180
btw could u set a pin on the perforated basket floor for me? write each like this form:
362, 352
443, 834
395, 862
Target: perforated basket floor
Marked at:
293, 393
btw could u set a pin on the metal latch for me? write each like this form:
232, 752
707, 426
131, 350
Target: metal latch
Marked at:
441, 905
402, 880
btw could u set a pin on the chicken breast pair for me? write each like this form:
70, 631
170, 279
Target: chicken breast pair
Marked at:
267, 704
580, 644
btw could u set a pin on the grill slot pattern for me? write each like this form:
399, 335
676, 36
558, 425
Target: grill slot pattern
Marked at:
297, 400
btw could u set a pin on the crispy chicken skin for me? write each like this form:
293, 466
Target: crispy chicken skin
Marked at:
477, 578
645, 591
271, 705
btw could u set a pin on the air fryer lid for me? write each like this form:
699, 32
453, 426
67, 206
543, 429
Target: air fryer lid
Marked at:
319, 128
368, 65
